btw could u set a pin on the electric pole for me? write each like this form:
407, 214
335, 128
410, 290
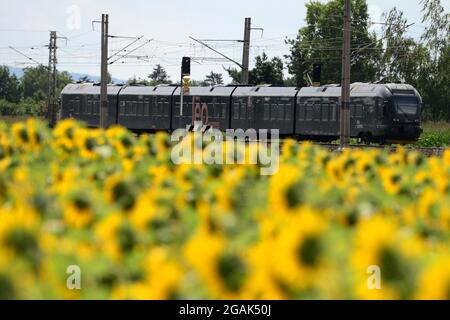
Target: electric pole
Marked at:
246, 50
345, 84
104, 73
51, 94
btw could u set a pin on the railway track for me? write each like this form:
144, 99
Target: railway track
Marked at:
427, 151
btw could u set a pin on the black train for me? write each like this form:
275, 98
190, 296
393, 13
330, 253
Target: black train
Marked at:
384, 113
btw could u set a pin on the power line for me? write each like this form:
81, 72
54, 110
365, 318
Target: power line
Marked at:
24, 55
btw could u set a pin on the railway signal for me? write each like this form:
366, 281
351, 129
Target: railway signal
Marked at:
185, 78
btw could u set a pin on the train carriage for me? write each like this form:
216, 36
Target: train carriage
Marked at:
317, 114
145, 108
208, 105
264, 107
82, 101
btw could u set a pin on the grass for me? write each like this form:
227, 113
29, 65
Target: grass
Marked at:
435, 134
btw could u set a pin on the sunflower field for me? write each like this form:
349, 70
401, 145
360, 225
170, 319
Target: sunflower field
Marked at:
140, 227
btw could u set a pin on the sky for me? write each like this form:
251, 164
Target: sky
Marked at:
165, 25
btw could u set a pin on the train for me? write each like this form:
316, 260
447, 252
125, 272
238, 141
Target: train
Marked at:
382, 113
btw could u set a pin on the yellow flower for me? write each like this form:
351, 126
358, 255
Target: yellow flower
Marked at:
434, 282
285, 194
298, 249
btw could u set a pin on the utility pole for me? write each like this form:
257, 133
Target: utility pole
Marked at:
345, 84
246, 51
104, 73
51, 94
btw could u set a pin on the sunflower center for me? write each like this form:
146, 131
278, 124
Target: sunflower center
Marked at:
294, 195
126, 238
232, 270
309, 251
391, 265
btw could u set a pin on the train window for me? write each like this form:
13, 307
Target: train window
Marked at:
76, 106
358, 110
325, 107
166, 108
243, 112
89, 106
160, 108
224, 110
96, 109
122, 107
333, 108
317, 110
266, 111
287, 115
280, 111
273, 111
146, 107
236, 110
140, 108
301, 110
309, 111
215, 112
177, 109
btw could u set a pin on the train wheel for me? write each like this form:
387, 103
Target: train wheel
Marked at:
365, 138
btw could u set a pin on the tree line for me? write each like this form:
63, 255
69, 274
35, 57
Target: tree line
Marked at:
390, 56
27, 95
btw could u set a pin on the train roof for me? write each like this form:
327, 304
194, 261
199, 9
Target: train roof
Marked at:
89, 88
266, 91
208, 91
148, 91
359, 89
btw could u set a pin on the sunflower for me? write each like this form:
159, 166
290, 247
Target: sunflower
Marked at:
116, 236
88, 142
378, 242
78, 210
434, 282
161, 281
286, 192
19, 236
223, 272
391, 180
298, 250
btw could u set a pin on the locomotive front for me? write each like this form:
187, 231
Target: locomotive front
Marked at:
401, 110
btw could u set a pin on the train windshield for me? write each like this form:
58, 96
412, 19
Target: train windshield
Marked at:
407, 105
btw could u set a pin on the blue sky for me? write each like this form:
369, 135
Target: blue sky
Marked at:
25, 24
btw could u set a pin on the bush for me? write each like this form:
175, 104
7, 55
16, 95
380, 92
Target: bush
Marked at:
25, 107
436, 134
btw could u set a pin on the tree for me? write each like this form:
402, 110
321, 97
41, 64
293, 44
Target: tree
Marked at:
265, 71
214, 79
320, 41
9, 85
159, 76
35, 82
137, 82
435, 88
403, 60
268, 71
